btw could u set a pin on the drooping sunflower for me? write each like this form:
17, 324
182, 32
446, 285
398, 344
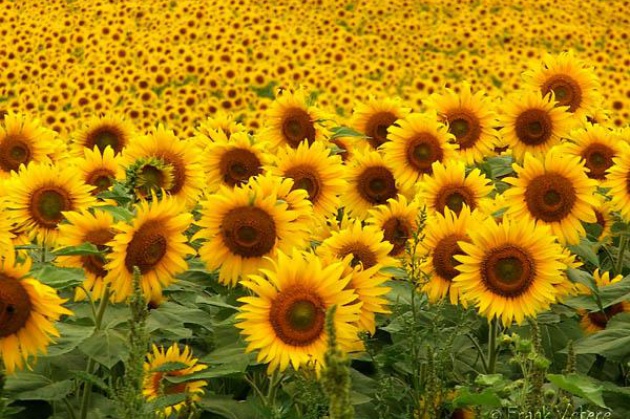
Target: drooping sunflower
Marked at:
573, 84
418, 142
23, 140
232, 162
555, 192
29, 309
314, 169
508, 270
375, 117
292, 120
617, 181
442, 234
398, 220
155, 243
450, 187
296, 198
597, 146
156, 385
471, 119
99, 169
285, 318
38, 196
162, 161
594, 321
603, 213
86, 227
243, 226
370, 183
102, 132
532, 123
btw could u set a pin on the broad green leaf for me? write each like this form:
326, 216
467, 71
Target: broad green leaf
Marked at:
579, 385
107, 347
166, 400
25, 381
71, 336
486, 398
59, 278
84, 249
338, 132
170, 366
227, 407
609, 295
488, 380
91, 379
585, 251
51, 391
119, 213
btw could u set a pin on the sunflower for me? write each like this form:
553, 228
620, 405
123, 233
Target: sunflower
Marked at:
155, 243
375, 117
296, 198
594, 321
555, 192
314, 169
603, 213
29, 309
292, 120
470, 119
533, 124
39, 195
398, 220
573, 84
99, 169
221, 121
450, 187
6, 234
596, 146
344, 147
442, 234
24, 140
415, 145
102, 132
242, 226
233, 162
156, 385
86, 227
370, 183
285, 317
162, 161
618, 180
509, 270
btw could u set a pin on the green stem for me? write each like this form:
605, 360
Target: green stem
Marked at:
273, 386
98, 322
43, 255
2, 382
482, 356
492, 346
622, 249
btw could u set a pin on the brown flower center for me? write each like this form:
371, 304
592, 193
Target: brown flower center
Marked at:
306, 177
298, 126
444, 262
599, 158
95, 263
179, 171
249, 232
376, 185
101, 179
14, 151
601, 318
147, 247
465, 126
397, 231
15, 306
566, 90
238, 165
508, 271
534, 127
104, 136
454, 197
361, 254
47, 205
550, 197
166, 386
297, 316
422, 151
376, 127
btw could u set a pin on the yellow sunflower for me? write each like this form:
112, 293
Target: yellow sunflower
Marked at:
370, 183
292, 120
24, 140
450, 187
243, 226
155, 243
156, 385
398, 220
296, 198
603, 213
617, 181
221, 121
232, 162
285, 318
471, 119
102, 132
99, 169
415, 144
38, 196
29, 309
442, 234
6, 226
508, 270
314, 169
162, 161
594, 321
567, 288
596, 145
573, 84
533, 124
375, 117
86, 227
555, 192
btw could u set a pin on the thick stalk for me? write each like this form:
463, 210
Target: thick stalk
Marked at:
622, 250
492, 346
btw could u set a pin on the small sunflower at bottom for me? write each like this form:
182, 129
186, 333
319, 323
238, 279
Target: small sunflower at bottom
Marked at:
594, 321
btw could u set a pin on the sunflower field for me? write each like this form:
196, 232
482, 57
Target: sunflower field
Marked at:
314, 209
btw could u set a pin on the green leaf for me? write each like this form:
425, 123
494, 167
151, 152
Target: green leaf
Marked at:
609, 295
59, 278
166, 400
579, 385
170, 366
71, 336
613, 342
91, 379
338, 132
27, 386
585, 251
229, 408
486, 398
84, 249
119, 213
107, 347
394, 272
488, 380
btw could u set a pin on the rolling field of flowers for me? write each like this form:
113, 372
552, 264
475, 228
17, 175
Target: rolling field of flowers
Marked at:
314, 209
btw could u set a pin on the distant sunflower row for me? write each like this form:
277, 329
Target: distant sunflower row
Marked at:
308, 213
